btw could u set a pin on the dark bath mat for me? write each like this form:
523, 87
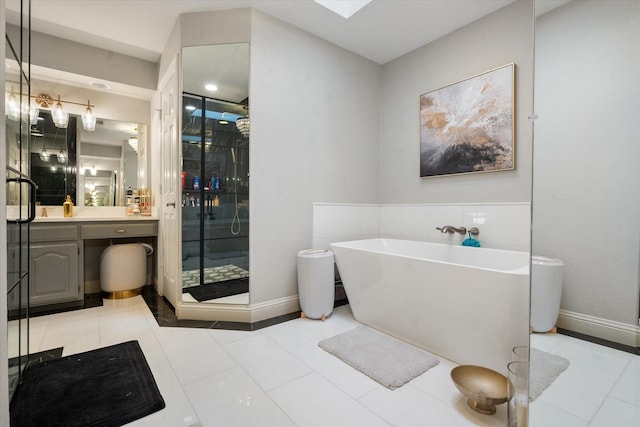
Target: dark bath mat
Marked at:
218, 289
107, 387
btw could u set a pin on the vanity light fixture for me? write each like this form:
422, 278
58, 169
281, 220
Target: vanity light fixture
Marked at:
62, 156
12, 106
61, 117
133, 142
34, 113
88, 119
44, 154
92, 169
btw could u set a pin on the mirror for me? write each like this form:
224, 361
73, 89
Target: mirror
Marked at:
108, 162
215, 174
586, 207
95, 168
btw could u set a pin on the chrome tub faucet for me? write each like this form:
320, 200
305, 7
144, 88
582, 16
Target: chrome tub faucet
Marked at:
462, 230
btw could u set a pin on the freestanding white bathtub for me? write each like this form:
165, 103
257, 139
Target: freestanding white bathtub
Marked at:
469, 305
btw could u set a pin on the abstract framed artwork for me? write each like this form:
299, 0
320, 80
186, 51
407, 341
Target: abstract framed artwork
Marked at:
468, 127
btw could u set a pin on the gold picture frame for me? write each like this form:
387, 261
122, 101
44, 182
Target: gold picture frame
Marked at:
469, 126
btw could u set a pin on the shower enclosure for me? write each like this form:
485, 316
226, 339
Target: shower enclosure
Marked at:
215, 201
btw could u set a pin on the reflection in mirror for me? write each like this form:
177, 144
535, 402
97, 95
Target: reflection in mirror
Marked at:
95, 168
586, 210
215, 174
108, 163
53, 159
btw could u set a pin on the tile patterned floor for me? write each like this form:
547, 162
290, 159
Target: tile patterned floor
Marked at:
600, 388
213, 274
278, 376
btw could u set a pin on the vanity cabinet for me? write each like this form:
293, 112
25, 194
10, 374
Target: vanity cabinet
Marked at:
55, 257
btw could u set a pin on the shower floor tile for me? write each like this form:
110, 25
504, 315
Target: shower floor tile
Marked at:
213, 274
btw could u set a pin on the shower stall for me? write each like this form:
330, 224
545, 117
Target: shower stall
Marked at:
215, 200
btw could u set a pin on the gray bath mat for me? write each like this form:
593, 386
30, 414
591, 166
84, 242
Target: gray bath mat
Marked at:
544, 369
383, 358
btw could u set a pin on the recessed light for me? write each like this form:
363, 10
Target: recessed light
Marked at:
211, 87
190, 107
99, 85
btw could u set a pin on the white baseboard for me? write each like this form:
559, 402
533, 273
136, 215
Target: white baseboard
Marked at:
622, 333
238, 312
274, 308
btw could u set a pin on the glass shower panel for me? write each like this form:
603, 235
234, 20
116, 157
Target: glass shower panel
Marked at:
215, 205
192, 142
227, 168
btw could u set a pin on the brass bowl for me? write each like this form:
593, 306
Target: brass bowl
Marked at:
483, 388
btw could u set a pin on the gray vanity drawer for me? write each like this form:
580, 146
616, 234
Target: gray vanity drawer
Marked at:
53, 233
111, 230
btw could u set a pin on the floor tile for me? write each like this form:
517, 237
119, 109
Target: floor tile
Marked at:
616, 413
348, 379
543, 414
437, 382
265, 361
627, 389
580, 389
409, 406
224, 336
195, 356
594, 355
292, 333
278, 376
178, 411
231, 398
314, 401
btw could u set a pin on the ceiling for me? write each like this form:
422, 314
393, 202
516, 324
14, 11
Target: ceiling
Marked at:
382, 31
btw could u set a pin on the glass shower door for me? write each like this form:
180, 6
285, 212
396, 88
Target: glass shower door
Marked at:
215, 201
20, 193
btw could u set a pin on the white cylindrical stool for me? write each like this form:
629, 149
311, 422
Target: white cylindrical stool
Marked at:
316, 283
123, 270
546, 292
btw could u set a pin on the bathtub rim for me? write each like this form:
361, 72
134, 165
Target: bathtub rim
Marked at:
348, 244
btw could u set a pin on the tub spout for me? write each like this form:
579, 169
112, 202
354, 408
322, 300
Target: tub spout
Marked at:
451, 229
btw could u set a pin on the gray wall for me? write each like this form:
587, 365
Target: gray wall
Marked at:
586, 204
66, 55
501, 38
314, 137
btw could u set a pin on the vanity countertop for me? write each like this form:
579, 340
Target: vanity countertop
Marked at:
40, 219
85, 214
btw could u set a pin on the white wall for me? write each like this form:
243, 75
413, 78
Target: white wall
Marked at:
498, 39
501, 225
314, 137
586, 204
